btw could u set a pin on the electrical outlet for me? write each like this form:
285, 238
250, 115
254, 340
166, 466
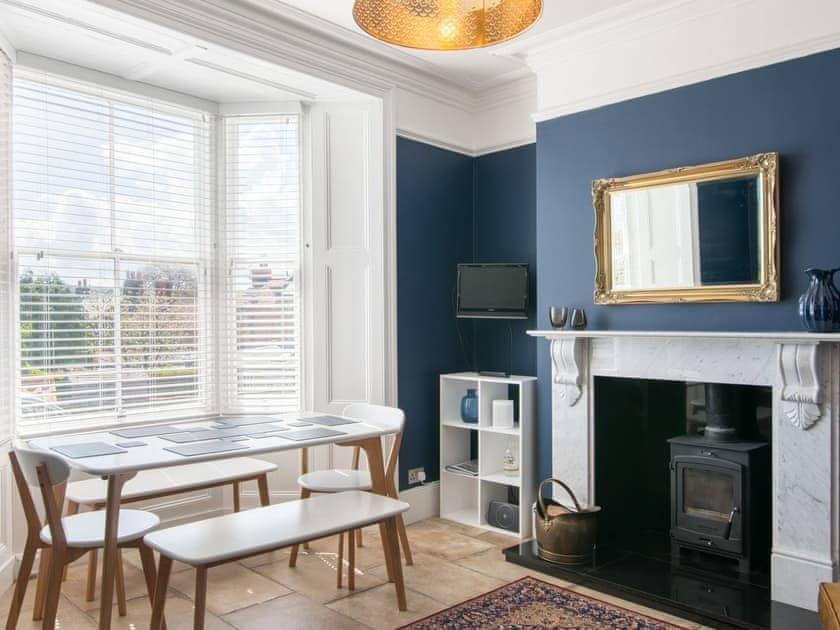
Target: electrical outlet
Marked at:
416, 475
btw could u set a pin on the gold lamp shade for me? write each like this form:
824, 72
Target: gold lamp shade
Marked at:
445, 24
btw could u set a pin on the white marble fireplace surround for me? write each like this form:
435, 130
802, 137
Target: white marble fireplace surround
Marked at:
804, 372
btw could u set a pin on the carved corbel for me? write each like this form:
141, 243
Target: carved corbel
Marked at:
801, 396
567, 358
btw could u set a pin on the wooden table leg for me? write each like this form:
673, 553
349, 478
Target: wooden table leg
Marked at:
110, 554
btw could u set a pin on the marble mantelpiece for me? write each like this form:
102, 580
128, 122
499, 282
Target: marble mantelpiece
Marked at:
803, 371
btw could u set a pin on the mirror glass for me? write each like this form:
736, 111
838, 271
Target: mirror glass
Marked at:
687, 234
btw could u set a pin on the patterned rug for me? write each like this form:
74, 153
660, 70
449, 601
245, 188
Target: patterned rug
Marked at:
532, 603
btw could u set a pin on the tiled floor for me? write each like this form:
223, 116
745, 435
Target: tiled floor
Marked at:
452, 563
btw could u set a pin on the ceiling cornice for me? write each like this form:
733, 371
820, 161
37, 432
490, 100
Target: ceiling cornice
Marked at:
253, 29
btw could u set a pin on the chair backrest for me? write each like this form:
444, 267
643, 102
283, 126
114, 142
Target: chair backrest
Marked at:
389, 418
392, 419
48, 472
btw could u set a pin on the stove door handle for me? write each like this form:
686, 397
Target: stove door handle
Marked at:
728, 530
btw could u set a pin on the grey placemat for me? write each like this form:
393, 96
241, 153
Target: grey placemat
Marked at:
88, 449
224, 432
147, 431
205, 448
310, 434
246, 420
330, 421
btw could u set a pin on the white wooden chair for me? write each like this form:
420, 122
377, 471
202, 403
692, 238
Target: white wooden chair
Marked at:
332, 481
164, 482
64, 540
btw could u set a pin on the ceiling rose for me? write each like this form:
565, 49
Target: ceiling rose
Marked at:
445, 24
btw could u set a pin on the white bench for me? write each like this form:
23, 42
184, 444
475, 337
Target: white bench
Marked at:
214, 541
163, 482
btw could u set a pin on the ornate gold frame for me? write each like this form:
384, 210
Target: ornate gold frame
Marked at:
766, 165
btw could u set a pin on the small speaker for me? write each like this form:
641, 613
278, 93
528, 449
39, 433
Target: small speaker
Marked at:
503, 515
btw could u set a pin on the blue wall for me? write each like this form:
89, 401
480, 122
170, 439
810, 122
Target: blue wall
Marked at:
792, 108
451, 209
505, 230
434, 234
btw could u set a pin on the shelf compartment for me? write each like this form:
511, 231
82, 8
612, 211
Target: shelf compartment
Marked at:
459, 503
452, 390
491, 491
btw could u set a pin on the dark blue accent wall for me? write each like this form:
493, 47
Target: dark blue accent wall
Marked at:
791, 107
451, 209
505, 230
434, 234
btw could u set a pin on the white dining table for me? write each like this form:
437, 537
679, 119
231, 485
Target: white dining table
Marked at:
118, 468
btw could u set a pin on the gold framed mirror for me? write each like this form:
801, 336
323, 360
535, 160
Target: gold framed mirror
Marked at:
707, 233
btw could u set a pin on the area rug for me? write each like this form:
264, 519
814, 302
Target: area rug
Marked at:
532, 603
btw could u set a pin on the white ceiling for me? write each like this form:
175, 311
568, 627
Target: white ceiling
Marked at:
88, 35
475, 69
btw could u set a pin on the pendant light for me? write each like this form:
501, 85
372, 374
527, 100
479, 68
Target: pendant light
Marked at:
445, 24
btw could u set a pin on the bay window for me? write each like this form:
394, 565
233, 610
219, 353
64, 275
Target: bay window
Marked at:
141, 293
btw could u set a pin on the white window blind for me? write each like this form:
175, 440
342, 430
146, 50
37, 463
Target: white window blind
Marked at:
262, 234
112, 234
5, 244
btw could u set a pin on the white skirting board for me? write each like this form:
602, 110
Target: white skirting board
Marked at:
424, 501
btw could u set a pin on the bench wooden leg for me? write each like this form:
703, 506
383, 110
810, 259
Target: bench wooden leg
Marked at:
147, 559
390, 527
26, 563
359, 542
340, 568
236, 505
90, 590
304, 494
262, 484
159, 600
351, 560
200, 597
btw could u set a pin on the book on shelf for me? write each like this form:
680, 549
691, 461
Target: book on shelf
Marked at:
469, 468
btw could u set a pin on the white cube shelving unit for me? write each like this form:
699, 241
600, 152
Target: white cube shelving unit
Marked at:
463, 498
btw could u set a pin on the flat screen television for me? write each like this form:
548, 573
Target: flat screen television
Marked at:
498, 291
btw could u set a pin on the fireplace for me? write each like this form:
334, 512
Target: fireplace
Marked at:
718, 501
801, 370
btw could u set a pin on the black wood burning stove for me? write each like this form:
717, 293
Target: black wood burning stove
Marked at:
719, 502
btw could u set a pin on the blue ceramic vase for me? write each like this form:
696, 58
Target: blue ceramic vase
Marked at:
819, 306
469, 407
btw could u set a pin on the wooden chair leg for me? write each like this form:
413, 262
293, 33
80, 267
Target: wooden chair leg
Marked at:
159, 600
90, 590
236, 505
57, 562
262, 485
26, 563
41, 584
200, 597
351, 560
120, 584
304, 494
409, 559
72, 509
